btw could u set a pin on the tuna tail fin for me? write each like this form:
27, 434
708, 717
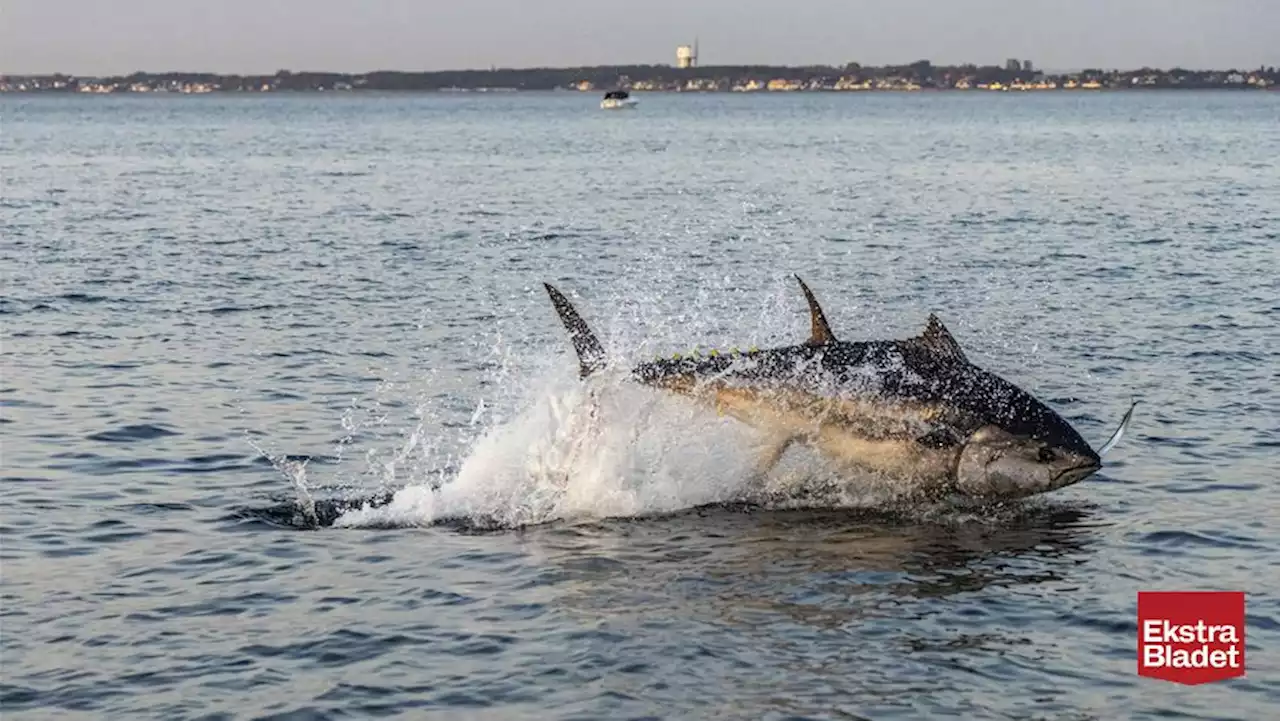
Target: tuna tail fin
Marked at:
820, 331
585, 344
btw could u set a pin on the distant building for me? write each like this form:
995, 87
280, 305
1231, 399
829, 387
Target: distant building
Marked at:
1013, 65
1026, 66
687, 56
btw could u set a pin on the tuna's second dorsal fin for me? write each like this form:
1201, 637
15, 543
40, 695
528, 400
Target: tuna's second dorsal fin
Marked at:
937, 339
820, 333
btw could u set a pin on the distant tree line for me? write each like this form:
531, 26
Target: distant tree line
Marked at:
922, 73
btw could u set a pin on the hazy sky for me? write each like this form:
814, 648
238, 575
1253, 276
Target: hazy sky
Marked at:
262, 36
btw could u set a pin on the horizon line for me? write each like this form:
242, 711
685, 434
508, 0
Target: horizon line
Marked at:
499, 68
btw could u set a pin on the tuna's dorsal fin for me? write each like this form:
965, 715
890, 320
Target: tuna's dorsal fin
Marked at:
590, 352
820, 333
937, 339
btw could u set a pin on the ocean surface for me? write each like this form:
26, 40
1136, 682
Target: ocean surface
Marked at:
291, 431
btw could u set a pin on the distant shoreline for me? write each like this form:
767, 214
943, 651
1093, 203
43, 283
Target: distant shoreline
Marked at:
920, 76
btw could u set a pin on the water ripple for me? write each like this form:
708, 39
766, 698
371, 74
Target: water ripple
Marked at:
233, 325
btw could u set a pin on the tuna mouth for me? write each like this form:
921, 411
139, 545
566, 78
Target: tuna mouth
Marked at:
1075, 474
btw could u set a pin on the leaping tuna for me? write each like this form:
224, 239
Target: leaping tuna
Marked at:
915, 409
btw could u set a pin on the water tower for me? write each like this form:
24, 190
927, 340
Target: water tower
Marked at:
687, 56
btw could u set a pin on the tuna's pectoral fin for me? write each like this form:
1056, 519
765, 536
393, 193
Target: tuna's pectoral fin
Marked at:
939, 340
940, 437
590, 352
820, 332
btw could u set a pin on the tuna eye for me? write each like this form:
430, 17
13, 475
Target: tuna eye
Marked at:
1047, 455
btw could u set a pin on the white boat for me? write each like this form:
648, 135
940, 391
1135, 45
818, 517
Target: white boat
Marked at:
617, 100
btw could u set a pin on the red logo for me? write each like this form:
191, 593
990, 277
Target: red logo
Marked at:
1191, 637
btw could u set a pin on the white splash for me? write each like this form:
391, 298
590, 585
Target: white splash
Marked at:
296, 472
583, 450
